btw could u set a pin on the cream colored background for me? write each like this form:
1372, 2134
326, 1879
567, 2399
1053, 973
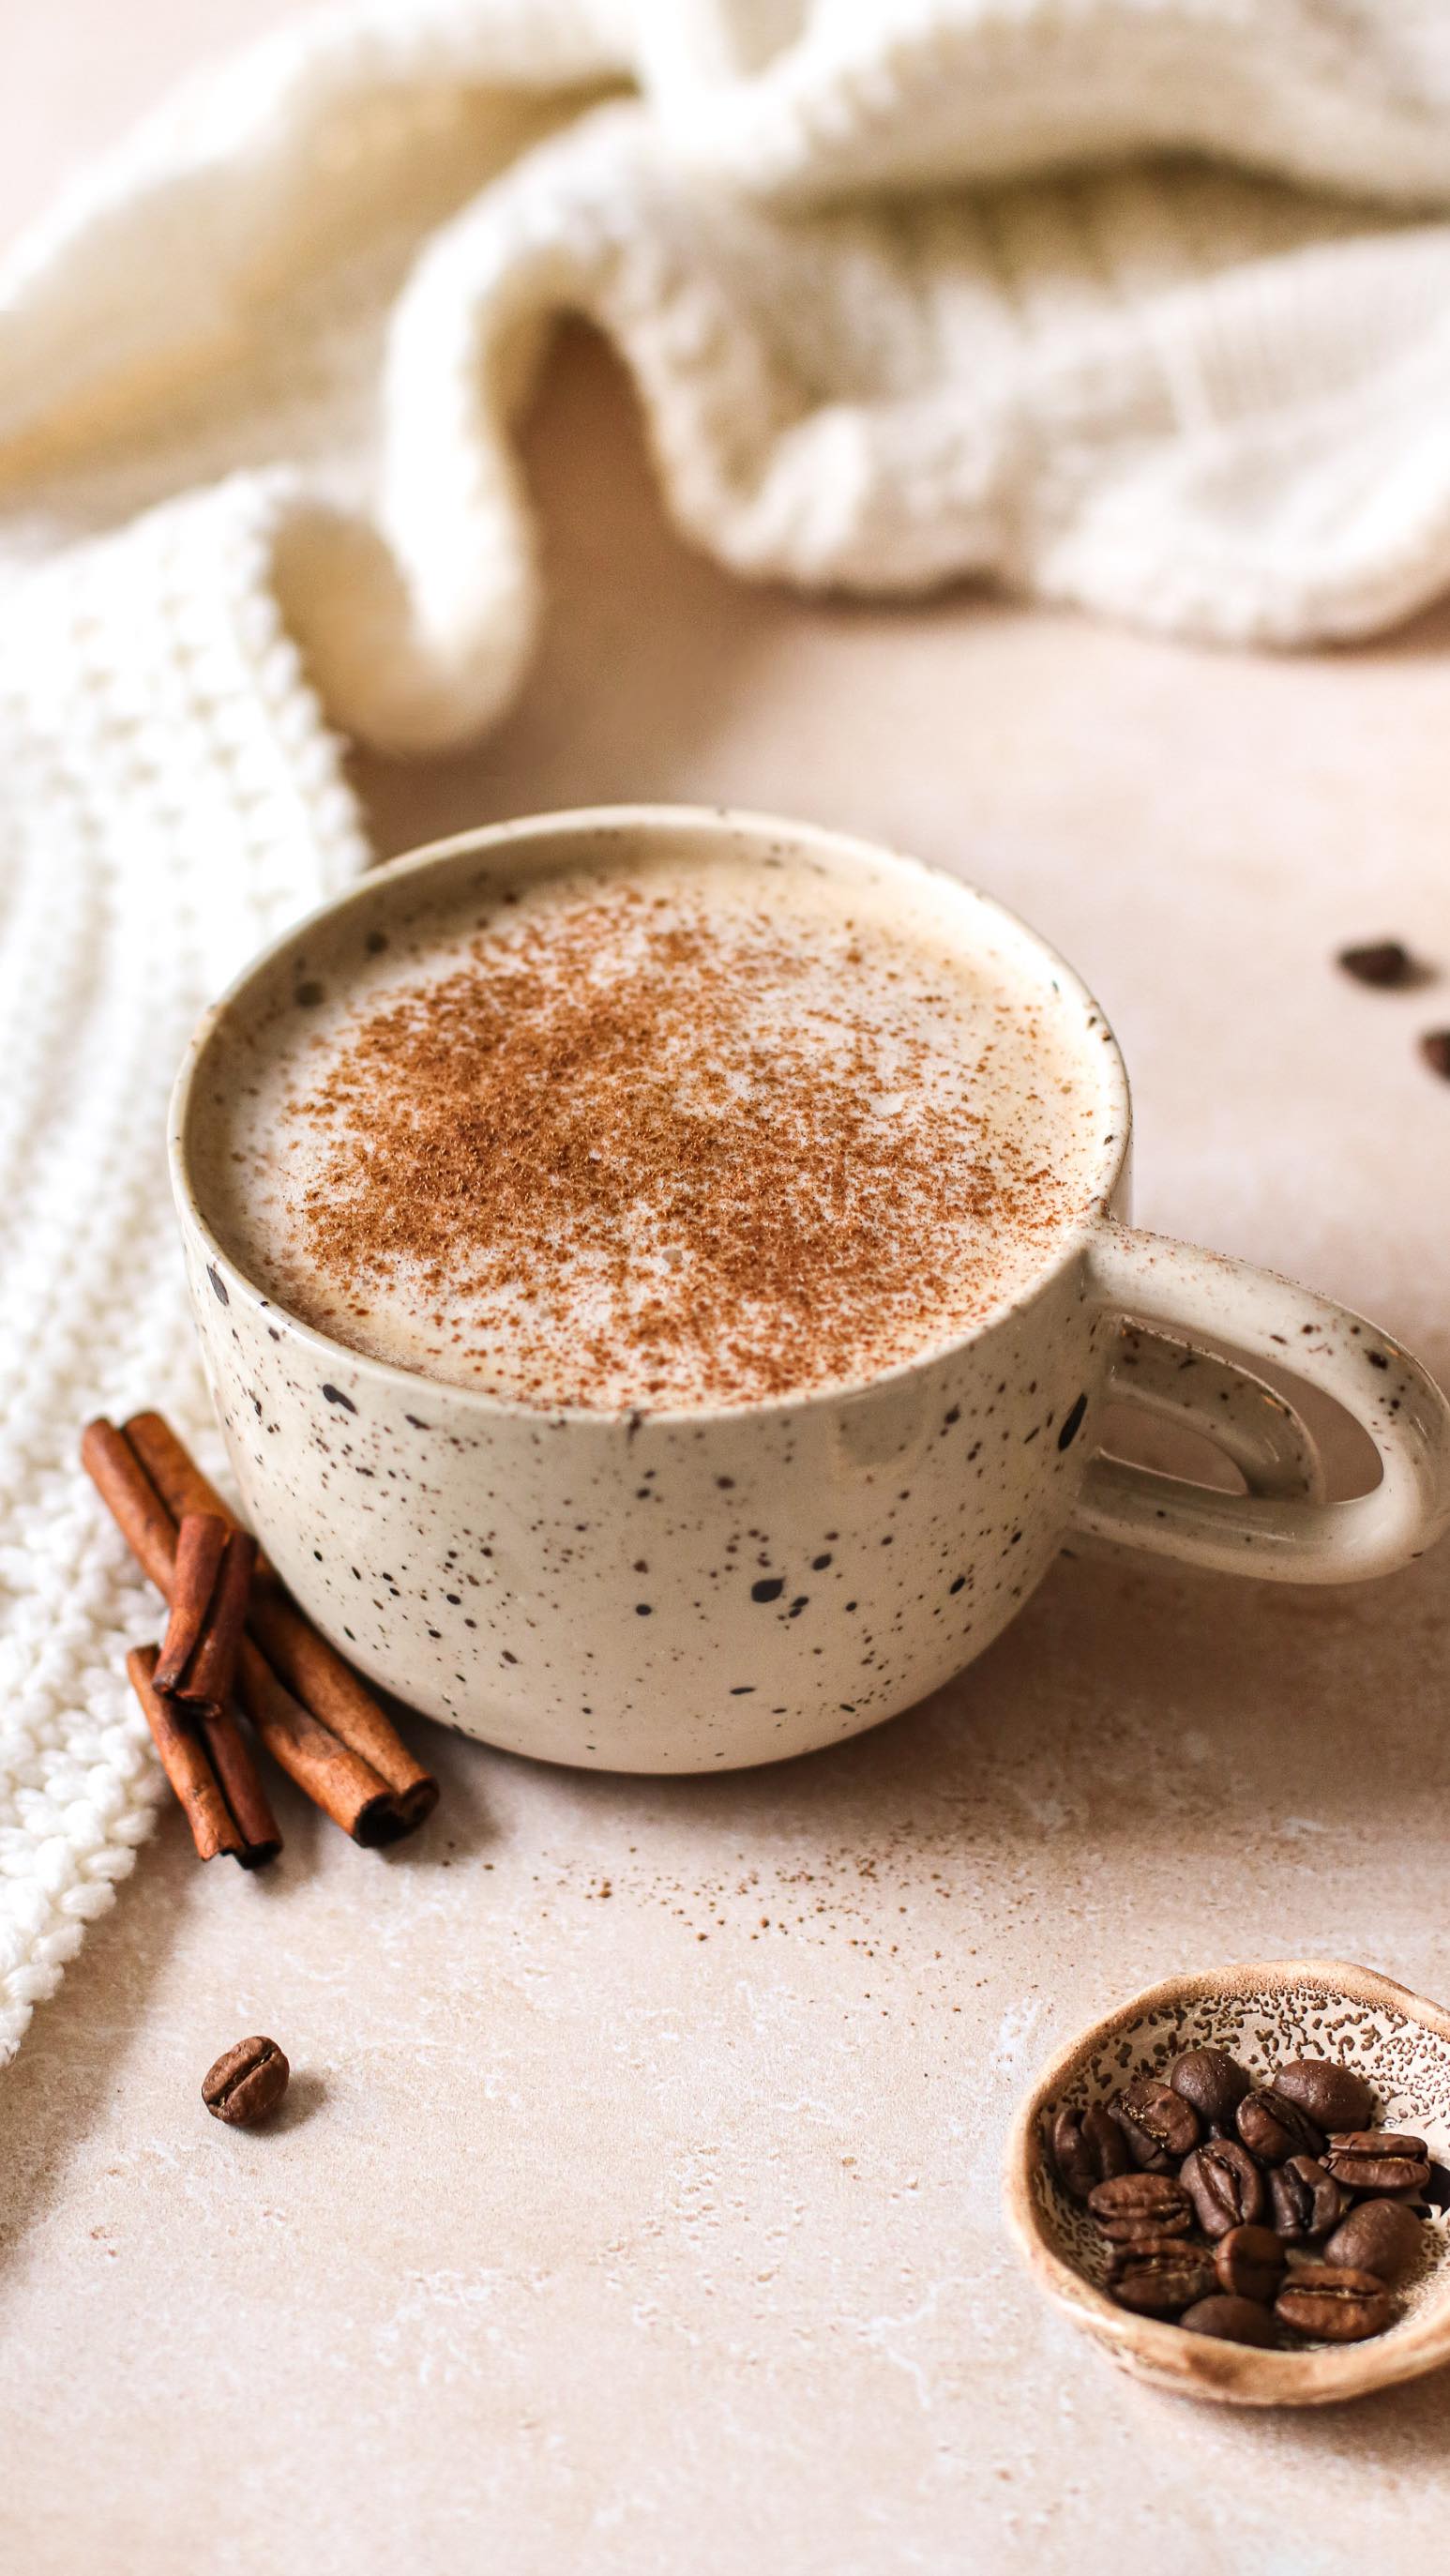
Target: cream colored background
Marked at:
636, 2206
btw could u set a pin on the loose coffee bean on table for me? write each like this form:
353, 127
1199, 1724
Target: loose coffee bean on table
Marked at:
1386, 962
1232, 2185
1231, 2320
246, 2083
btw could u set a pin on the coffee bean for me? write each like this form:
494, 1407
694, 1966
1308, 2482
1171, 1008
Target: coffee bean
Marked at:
1378, 2160
1386, 962
1249, 2262
246, 2083
1435, 1051
1162, 2283
1142, 2204
1144, 2152
1087, 2148
1201, 2226
1273, 2127
1333, 2302
1212, 2081
1146, 2248
1306, 2201
1155, 2112
1225, 2186
1381, 2236
1230, 2320
1333, 2095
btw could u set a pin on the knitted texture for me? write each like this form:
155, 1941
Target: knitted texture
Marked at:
908, 295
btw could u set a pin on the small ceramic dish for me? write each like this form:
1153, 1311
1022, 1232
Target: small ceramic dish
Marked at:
1263, 2013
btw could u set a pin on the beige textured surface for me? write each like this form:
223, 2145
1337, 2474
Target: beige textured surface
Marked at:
637, 2205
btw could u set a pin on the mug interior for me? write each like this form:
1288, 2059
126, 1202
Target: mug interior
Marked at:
326, 952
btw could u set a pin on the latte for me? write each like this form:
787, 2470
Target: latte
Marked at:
656, 1132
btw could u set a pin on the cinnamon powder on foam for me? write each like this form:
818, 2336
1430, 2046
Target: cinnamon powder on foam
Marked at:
632, 1150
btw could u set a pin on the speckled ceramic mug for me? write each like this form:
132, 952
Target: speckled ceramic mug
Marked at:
816, 1562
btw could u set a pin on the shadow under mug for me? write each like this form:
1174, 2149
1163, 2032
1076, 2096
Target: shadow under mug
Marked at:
681, 1591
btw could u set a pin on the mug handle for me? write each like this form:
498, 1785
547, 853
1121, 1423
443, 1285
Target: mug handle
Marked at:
1281, 1529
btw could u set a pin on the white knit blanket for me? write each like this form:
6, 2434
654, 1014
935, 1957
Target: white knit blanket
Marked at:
907, 296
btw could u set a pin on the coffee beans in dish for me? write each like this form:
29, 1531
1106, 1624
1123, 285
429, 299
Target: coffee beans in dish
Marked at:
1332, 2303
1335, 2096
1213, 2082
1380, 2236
246, 2083
1231, 2320
1305, 2200
1157, 2123
1164, 2278
1273, 2128
1376, 2160
1087, 2148
1263, 2214
1140, 2205
1225, 2186
1249, 2262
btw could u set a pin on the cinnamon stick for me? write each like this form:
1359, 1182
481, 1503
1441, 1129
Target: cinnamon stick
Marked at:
132, 1501
201, 1543
312, 1669
150, 1533
241, 1786
335, 1694
334, 1773
212, 1670
185, 1763
334, 1777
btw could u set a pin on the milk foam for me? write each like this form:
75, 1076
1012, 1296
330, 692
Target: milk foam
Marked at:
661, 1131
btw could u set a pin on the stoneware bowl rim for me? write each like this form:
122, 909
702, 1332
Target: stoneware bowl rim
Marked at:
1196, 2365
528, 829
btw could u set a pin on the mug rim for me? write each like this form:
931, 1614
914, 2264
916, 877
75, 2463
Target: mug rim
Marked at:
530, 829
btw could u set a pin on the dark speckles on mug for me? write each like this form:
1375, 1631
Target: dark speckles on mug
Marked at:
218, 1284
550, 1532
1073, 1425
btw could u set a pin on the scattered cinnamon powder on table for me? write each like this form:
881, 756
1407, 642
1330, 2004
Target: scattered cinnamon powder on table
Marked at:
627, 1147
